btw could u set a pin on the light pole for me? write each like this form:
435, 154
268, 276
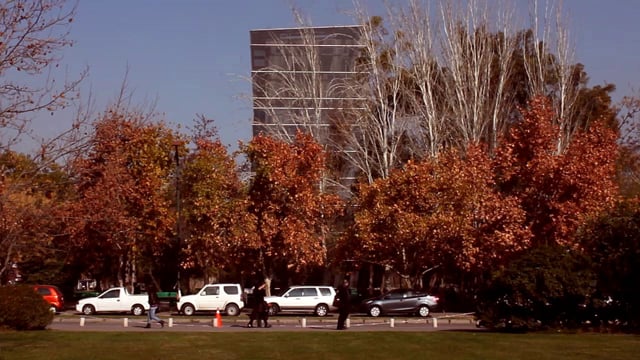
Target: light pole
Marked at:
178, 214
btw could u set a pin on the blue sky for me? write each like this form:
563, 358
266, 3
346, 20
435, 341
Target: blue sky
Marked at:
192, 56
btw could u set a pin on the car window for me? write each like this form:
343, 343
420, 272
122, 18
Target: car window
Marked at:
325, 291
231, 290
395, 295
111, 294
310, 292
279, 292
296, 292
212, 290
44, 291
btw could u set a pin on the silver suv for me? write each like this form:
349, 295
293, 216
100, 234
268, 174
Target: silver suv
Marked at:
304, 298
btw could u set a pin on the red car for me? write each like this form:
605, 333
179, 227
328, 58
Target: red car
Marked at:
52, 295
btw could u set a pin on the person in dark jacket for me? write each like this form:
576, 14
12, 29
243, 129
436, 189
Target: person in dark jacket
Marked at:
264, 314
344, 304
260, 311
154, 303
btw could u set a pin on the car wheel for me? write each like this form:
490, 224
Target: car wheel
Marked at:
232, 310
273, 309
424, 311
375, 311
88, 310
188, 309
137, 310
322, 310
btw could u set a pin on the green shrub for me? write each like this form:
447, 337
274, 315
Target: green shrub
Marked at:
21, 308
613, 242
546, 287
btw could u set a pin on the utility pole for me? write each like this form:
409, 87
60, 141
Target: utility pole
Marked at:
178, 214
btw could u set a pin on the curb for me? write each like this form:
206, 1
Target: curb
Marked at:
461, 319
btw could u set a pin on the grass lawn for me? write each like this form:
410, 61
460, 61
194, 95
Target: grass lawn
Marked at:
53, 345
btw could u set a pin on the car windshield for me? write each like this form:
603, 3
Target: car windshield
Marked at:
279, 292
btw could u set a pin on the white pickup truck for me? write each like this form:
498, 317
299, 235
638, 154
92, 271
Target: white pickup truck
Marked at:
227, 298
115, 299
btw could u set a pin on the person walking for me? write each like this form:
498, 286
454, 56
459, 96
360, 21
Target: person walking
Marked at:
258, 299
259, 312
154, 302
344, 304
264, 314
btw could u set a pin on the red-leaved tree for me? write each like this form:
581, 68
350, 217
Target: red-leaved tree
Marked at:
440, 211
558, 188
290, 210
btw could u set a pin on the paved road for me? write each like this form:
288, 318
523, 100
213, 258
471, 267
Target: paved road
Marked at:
201, 324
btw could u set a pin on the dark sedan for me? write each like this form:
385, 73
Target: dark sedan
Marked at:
401, 301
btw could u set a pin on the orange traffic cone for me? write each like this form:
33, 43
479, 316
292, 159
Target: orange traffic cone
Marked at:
218, 319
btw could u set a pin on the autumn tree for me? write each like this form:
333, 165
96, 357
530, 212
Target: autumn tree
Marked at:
32, 36
214, 218
445, 211
285, 199
629, 161
121, 219
558, 191
28, 222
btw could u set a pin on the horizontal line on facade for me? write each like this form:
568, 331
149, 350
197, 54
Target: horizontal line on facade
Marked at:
355, 46
302, 72
309, 27
284, 124
305, 98
305, 108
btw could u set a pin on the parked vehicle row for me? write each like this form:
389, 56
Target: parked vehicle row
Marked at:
230, 299
319, 300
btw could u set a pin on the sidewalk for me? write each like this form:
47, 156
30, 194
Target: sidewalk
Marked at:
279, 323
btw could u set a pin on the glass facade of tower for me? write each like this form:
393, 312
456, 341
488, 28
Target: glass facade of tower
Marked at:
297, 75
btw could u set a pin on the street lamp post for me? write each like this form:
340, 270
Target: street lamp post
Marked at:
178, 213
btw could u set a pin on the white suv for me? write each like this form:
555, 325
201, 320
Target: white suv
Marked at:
223, 297
316, 299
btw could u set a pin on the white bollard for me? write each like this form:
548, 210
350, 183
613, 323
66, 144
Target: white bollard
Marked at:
215, 322
392, 322
82, 321
304, 322
125, 322
170, 322
348, 323
435, 322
